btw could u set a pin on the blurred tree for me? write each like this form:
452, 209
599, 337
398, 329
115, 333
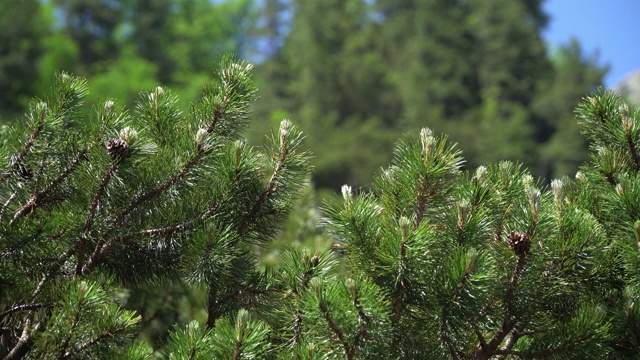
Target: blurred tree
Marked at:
93, 25
573, 74
367, 70
22, 28
508, 57
151, 23
428, 60
330, 74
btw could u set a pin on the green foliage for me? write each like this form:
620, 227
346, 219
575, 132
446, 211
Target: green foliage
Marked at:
21, 29
102, 211
367, 71
143, 199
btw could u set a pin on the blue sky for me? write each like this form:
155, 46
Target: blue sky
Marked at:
611, 27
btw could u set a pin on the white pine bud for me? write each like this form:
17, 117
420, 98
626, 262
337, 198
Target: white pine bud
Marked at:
201, 135
558, 189
347, 196
128, 135
427, 140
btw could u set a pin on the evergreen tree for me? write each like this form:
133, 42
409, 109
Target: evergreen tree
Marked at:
22, 27
573, 74
92, 25
478, 71
91, 207
433, 262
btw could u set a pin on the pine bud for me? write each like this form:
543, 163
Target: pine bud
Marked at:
285, 127
533, 195
481, 174
519, 242
128, 135
351, 288
108, 105
427, 140
42, 106
346, 195
201, 135
557, 187
627, 125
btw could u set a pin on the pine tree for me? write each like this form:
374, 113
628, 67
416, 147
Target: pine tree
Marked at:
433, 262
91, 207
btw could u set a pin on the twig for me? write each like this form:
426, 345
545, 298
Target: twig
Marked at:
509, 321
334, 328
27, 146
88, 223
24, 342
38, 198
103, 246
633, 151
21, 308
6, 204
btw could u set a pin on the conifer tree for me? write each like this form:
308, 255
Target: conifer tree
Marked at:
433, 262
95, 201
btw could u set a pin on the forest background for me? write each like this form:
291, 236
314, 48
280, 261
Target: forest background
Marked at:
352, 74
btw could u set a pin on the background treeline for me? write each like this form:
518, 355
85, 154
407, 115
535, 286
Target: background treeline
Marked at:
353, 74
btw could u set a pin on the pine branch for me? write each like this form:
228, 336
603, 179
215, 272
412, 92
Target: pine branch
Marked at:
400, 288
633, 150
104, 335
103, 248
270, 189
456, 292
52, 271
237, 352
422, 199
24, 307
88, 223
6, 205
27, 146
364, 320
25, 341
334, 328
67, 340
510, 316
42, 196
215, 311
26, 338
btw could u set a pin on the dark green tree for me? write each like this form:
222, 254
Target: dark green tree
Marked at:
92, 25
373, 69
573, 74
330, 75
433, 262
90, 207
22, 28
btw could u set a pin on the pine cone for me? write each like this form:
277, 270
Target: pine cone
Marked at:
519, 242
118, 148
